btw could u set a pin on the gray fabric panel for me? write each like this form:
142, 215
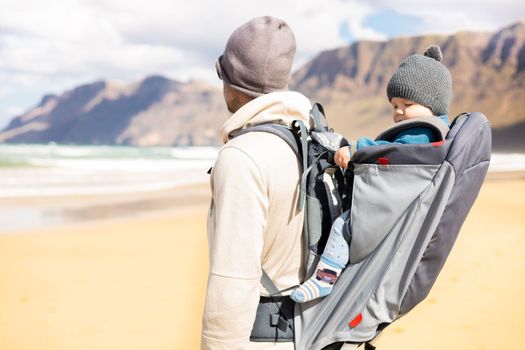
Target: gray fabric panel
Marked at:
472, 142
402, 154
386, 300
469, 156
373, 214
383, 305
438, 126
441, 243
376, 279
456, 124
324, 321
313, 207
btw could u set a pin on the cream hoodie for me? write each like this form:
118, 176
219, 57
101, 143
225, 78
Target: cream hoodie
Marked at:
253, 221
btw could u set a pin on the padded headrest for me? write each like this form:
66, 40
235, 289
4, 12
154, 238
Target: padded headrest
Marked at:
439, 127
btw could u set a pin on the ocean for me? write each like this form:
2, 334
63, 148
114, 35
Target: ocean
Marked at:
52, 171
58, 170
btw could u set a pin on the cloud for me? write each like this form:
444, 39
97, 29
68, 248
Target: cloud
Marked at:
54, 45
123, 38
449, 16
127, 39
49, 46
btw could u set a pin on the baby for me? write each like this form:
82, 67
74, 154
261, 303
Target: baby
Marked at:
420, 87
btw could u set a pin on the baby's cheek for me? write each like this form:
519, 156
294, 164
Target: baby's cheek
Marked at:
417, 111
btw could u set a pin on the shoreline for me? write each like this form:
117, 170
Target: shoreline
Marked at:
56, 212
138, 282
50, 212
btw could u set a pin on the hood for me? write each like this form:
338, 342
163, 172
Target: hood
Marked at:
281, 107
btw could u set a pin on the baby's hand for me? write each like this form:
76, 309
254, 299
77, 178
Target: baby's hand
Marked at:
342, 157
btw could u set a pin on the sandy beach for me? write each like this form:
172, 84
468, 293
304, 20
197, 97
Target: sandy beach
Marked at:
128, 283
138, 281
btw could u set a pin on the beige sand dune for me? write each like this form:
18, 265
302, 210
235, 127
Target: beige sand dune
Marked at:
139, 283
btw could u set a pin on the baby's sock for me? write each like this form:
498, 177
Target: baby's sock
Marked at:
320, 284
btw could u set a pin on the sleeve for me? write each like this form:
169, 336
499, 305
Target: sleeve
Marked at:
366, 142
236, 223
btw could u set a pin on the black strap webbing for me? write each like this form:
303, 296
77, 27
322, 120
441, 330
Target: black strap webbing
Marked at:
304, 152
280, 316
369, 346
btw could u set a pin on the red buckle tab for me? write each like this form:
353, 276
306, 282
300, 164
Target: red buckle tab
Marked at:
438, 143
382, 161
355, 321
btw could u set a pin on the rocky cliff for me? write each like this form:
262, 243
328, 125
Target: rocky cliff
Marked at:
488, 71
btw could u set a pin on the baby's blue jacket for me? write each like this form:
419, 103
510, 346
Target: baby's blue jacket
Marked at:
417, 135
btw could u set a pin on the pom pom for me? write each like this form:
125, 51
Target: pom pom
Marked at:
433, 51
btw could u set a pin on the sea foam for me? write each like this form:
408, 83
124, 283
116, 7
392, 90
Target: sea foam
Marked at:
53, 170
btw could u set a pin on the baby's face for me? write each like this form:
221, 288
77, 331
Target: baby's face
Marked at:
404, 109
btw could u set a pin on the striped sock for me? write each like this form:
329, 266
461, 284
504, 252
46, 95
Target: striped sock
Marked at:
320, 284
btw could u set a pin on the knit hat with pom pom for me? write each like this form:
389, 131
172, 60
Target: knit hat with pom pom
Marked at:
424, 80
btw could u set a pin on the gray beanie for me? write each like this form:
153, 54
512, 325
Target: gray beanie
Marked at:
424, 80
258, 57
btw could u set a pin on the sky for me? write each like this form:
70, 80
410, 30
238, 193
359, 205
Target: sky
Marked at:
54, 45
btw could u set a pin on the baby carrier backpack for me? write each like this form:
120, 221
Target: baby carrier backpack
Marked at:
408, 203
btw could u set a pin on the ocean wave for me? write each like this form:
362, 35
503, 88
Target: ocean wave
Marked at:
53, 170
54, 151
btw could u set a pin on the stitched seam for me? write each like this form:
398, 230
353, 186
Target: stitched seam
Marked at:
234, 277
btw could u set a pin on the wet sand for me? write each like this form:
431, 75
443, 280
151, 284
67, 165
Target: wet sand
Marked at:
138, 281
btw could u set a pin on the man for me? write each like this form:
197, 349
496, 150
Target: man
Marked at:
253, 222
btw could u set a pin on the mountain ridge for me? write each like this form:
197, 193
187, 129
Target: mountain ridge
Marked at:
138, 114
488, 70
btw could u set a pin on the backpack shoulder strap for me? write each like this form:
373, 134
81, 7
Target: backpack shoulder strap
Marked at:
318, 117
289, 137
281, 131
437, 125
294, 139
268, 284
